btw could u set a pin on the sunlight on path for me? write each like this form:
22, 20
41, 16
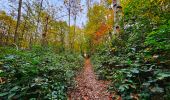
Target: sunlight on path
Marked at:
88, 87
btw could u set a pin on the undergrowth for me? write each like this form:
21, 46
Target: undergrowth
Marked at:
37, 74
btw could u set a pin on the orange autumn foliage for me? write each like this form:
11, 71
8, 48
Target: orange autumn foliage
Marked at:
102, 31
104, 28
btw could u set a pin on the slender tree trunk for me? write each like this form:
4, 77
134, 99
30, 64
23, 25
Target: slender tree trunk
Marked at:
38, 20
16, 38
23, 32
114, 13
7, 38
75, 18
69, 12
117, 20
117, 15
44, 35
62, 39
30, 41
88, 3
28, 32
1, 37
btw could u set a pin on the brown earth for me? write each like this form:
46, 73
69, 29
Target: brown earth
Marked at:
88, 87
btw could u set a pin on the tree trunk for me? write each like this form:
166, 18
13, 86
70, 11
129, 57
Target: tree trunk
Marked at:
30, 41
7, 37
69, 11
44, 35
117, 19
62, 39
38, 20
117, 16
1, 37
16, 40
23, 32
88, 3
75, 18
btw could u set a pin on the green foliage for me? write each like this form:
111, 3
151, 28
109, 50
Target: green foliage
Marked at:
141, 81
132, 74
159, 39
37, 74
138, 61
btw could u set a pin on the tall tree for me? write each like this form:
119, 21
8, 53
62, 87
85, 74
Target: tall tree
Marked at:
73, 7
76, 8
88, 3
28, 22
16, 40
117, 10
67, 4
117, 38
38, 17
46, 20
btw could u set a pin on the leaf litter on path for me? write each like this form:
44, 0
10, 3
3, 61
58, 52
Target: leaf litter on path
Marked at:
88, 87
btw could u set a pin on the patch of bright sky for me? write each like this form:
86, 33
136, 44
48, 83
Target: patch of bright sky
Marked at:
81, 19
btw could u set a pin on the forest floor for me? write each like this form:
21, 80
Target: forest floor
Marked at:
88, 87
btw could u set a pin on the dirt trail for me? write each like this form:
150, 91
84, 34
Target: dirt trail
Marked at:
88, 87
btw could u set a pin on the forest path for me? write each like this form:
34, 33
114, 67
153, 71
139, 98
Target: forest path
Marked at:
88, 87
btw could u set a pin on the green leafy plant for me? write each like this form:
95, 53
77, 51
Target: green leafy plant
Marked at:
33, 75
